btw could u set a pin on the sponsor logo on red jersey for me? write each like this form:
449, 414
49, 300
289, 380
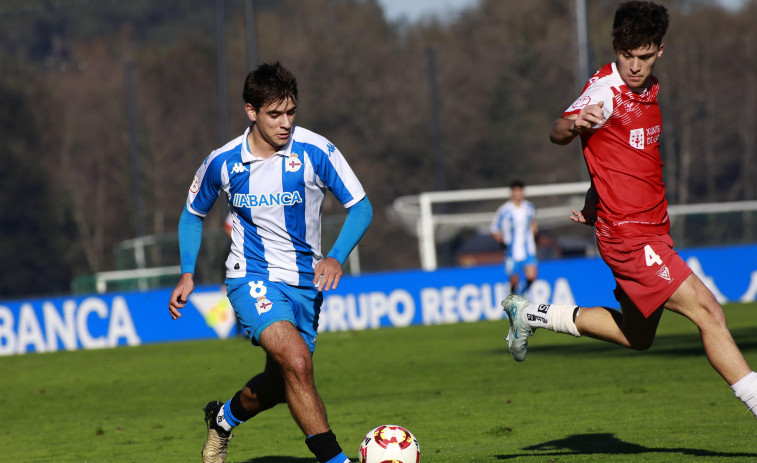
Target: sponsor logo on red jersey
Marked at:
636, 140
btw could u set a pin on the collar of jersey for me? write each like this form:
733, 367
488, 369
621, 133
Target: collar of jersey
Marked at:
247, 156
650, 83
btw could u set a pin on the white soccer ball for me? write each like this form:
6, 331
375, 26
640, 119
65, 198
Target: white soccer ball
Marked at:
390, 444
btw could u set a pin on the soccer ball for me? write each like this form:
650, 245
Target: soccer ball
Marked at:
390, 444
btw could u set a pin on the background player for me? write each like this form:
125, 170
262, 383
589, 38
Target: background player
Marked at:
275, 177
514, 225
619, 122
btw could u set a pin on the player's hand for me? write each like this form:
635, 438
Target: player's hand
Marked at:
587, 215
328, 272
578, 217
589, 117
180, 294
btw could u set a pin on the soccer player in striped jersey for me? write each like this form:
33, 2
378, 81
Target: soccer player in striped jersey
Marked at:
275, 177
618, 121
514, 225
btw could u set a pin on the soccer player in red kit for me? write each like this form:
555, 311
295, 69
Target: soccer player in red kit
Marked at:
618, 121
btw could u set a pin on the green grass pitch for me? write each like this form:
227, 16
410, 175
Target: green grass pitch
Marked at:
454, 386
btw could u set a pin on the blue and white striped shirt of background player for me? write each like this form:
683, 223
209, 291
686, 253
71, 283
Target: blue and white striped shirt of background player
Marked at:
514, 224
275, 205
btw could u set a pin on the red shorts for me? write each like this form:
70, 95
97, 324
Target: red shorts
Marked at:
646, 268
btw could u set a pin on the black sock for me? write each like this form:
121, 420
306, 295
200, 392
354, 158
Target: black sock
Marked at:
239, 412
324, 446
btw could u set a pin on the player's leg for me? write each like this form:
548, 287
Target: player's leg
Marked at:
516, 271
514, 282
531, 272
287, 348
512, 271
257, 304
628, 328
694, 301
283, 343
263, 391
697, 303
260, 393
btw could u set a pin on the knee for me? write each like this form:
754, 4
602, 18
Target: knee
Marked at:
640, 344
297, 364
716, 311
709, 315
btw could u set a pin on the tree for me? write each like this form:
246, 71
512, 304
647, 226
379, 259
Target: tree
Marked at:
34, 231
505, 71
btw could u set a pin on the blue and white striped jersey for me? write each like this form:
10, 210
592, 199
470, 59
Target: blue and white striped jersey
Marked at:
275, 203
514, 224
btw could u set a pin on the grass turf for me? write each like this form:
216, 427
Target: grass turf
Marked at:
454, 386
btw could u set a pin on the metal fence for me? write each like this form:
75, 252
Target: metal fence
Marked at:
153, 261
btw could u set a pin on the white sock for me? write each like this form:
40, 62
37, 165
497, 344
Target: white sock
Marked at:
554, 317
221, 420
745, 389
536, 315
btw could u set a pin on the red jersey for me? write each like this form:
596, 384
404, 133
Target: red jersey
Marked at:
623, 156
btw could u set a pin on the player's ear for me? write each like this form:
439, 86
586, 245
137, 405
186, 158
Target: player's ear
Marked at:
251, 113
659, 50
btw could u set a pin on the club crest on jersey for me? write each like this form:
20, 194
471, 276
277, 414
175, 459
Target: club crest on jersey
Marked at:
636, 140
195, 186
664, 273
581, 102
263, 305
293, 163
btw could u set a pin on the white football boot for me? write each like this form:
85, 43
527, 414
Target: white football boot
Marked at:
520, 331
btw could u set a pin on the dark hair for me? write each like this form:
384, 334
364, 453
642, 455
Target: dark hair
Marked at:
638, 24
517, 184
269, 83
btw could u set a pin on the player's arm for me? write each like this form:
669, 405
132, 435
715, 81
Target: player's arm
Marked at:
202, 195
587, 215
328, 272
566, 128
494, 229
190, 236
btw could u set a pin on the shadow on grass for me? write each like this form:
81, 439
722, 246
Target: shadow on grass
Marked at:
607, 444
669, 345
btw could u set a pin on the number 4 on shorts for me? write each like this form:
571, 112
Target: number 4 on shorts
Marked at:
651, 256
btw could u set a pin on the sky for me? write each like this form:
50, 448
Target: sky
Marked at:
413, 10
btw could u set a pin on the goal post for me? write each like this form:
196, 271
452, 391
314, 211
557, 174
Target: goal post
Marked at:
415, 213
419, 209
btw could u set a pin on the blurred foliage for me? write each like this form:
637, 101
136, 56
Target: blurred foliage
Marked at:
505, 71
36, 230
